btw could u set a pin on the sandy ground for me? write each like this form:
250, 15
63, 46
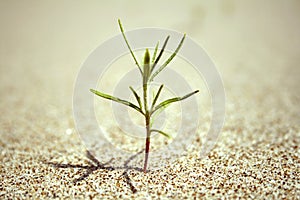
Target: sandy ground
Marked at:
255, 45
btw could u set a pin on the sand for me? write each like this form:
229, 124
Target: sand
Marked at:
255, 46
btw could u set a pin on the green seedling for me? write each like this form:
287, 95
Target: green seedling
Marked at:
148, 73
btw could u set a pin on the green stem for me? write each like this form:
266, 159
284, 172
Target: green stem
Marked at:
147, 149
146, 74
147, 123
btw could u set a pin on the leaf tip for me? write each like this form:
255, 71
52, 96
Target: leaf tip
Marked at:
120, 25
147, 57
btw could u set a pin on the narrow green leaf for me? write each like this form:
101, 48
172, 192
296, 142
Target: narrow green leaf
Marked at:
146, 70
156, 96
137, 97
172, 100
155, 51
169, 59
147, 57
116, 99
160, 54
161, 132
127, 43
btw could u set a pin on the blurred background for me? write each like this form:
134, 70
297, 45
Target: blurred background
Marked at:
254, 44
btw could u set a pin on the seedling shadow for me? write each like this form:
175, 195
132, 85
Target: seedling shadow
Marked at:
95, 165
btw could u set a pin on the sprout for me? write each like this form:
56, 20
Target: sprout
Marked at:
148, 73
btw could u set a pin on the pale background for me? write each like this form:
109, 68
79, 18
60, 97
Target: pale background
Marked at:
255, 45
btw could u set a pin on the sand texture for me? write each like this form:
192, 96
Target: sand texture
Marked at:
255, 46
